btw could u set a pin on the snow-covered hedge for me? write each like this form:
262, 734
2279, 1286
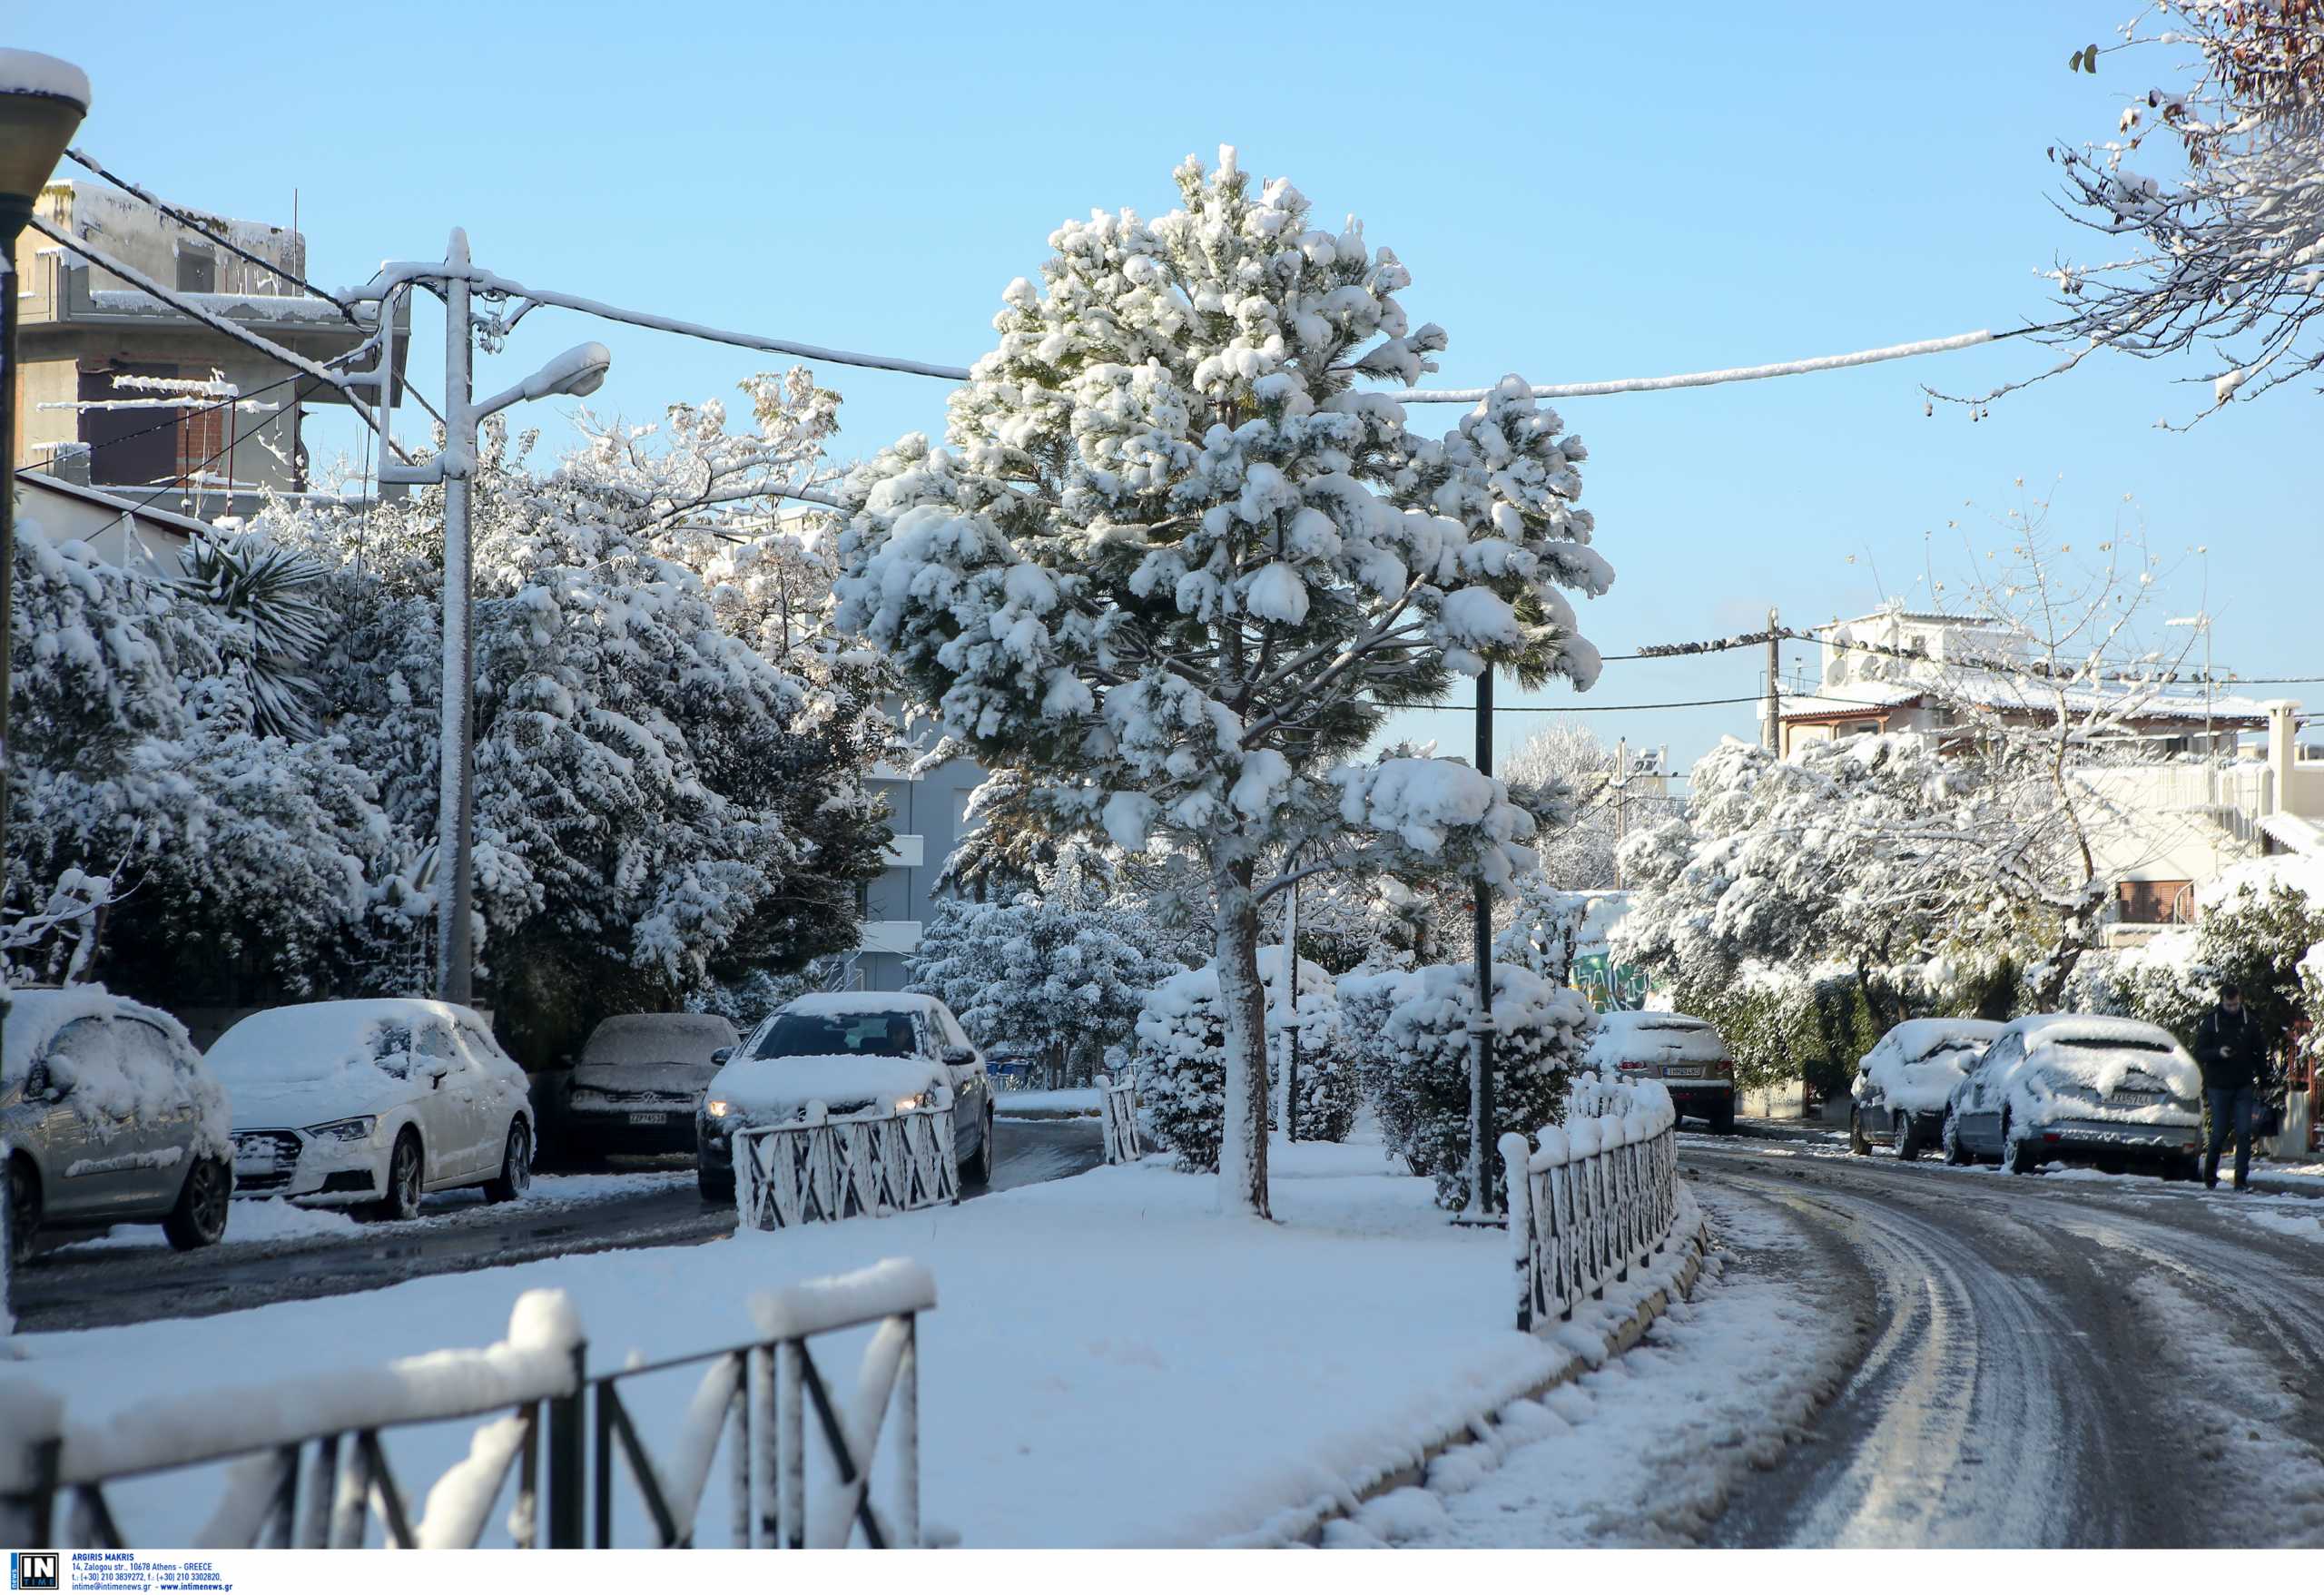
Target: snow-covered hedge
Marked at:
1414, 1027
1180, 1060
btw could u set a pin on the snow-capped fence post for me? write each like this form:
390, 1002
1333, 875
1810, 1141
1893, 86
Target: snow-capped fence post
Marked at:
1595, 1198
306, 1465
1117, 1104
822, 1169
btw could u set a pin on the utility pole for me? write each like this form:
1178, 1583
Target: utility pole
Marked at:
577, 372
1621, 804
1773, 733
1291, 1020
455, 786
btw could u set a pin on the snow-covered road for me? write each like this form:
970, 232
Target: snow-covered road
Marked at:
2060, 1360
272, 1255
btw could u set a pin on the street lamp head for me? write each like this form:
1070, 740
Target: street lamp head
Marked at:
576, 373
42, 102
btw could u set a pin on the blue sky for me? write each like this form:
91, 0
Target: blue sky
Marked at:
1579, 193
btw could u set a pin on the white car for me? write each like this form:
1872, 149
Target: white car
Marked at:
372, 1102
1687, 1055
109, 1117
2079, 1087
1903, 1084
855, 1052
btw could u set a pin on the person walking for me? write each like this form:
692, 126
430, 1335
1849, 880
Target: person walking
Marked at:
2233, 1052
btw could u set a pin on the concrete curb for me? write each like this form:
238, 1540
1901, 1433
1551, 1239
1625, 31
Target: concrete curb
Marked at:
1621, 1339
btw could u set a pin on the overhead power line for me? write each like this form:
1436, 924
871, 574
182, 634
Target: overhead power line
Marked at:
1800, 367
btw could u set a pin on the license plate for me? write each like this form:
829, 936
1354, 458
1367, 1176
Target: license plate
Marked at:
649, 1119
2135, 1099
1676, 1073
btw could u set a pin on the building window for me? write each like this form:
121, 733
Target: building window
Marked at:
1864, 728
130, 447
2152, 903
197, 270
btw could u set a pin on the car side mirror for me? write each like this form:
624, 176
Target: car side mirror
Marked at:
719, 1055
40, 1086
959, 1056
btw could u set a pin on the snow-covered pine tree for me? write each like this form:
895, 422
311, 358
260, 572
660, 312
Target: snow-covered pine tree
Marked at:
1174, 561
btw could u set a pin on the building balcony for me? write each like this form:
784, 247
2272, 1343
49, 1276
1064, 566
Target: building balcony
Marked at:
897, 936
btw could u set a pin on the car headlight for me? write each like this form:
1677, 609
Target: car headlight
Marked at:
345, 1129
717, 1108
906, 1104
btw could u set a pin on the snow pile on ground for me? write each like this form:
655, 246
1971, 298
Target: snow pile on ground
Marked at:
1644, 1449
272, 1222
1215, 1377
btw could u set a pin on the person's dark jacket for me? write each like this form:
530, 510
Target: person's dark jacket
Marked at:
2232, 1050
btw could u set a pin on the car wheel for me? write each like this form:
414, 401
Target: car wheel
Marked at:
1858, 1144
1908, 1137
977, 1170
1722, 1123
199, 1219
515, 1175
24, 1209
404, 1167
717, 1186
1956, 1155
2018, 1151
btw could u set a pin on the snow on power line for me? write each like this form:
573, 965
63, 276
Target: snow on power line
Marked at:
1827, 362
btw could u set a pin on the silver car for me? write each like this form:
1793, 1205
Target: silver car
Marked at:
638, 1081
855, 1052
108, 1117
2059, 1087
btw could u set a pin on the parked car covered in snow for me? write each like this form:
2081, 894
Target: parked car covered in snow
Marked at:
371, 1102
857, 1053
1904, 1084
2079, 1088
109, 1117
638, 1081
1687, 1055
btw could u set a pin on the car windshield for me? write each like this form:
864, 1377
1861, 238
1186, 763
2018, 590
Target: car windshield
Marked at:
889, 1034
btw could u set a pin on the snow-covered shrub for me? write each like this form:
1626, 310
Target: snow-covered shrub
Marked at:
1544, 927
1419, 1071
1181, 1066
1326, 1084
1180, 1060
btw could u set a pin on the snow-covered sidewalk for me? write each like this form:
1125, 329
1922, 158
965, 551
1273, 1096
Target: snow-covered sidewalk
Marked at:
1644, 1449
1111, 1361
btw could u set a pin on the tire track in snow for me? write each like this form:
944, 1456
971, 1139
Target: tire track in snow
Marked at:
1905, 1454
2166, 1352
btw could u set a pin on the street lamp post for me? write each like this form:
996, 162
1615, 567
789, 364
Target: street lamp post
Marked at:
42, 103
1482, 1189
576, 373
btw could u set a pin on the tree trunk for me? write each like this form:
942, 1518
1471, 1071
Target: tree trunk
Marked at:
1243, 1147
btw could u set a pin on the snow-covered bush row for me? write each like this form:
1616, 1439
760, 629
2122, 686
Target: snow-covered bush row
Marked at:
1412, 1027
1173, 560
667, 744
135, 760
1181, 1066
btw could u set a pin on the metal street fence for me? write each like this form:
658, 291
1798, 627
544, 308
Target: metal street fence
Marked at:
823, 1168
307, 1464
1596, 1198
1117, 1106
